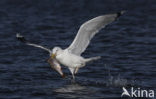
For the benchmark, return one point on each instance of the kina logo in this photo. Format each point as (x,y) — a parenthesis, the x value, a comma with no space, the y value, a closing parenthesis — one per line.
(137,92)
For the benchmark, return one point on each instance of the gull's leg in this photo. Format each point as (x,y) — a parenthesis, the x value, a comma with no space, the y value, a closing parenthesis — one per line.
(72,72)
(73,76)
(76,70)
(73,80)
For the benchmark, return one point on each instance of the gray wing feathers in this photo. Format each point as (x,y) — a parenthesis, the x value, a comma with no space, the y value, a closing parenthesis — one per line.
(88,30)
(39,46)
(22,39)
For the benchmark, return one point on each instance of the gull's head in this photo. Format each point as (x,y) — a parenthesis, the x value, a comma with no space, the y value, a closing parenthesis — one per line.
(55,52)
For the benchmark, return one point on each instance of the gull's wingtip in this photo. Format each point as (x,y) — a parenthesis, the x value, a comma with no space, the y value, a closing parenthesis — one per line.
(120,13)
(20,37)
(17,34)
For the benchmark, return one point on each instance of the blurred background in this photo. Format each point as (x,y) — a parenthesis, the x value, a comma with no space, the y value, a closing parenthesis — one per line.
(127,47)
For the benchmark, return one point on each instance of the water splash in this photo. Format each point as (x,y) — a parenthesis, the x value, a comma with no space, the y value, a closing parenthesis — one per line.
(118,81)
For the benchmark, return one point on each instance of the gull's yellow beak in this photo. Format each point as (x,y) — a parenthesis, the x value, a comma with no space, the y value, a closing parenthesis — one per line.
(53,56)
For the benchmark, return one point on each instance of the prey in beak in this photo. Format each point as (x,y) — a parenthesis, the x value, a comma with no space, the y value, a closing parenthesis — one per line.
(55,65)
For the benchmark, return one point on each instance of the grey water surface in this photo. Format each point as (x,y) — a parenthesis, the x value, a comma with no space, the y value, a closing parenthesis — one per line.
(127,47)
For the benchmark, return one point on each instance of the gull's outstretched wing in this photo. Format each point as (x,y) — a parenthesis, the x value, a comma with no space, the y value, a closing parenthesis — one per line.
(88,30)
(22,39)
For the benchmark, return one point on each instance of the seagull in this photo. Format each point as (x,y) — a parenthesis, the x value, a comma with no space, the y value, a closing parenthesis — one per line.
(71,56)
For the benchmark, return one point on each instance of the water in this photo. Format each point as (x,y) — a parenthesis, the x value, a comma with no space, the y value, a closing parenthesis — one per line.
(127,47)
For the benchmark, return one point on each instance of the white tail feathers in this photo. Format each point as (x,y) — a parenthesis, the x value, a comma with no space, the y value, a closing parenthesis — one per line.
(92,59)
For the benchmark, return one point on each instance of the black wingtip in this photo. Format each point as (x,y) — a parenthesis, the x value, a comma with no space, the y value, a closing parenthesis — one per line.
(20,38)
(120,13)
